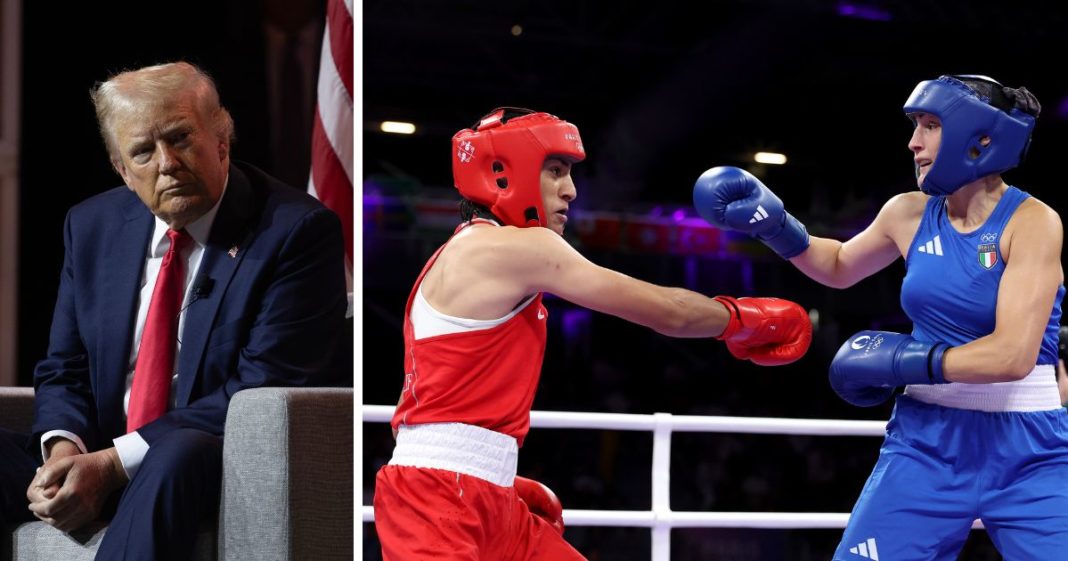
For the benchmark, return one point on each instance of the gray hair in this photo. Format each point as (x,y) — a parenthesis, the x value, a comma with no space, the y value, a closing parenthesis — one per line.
(160,82)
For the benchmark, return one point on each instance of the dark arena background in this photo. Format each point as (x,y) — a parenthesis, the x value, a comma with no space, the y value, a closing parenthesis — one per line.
(662,91)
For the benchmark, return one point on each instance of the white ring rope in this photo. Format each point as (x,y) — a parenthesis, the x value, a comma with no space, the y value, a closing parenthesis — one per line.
(661,519)
(679,423)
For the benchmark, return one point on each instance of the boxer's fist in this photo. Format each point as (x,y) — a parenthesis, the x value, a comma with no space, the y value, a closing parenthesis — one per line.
(767,331)
(541,501)
(870,364)
(731,198)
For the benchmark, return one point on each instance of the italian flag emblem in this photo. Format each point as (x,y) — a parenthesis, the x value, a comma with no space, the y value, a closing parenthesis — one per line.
(988,255)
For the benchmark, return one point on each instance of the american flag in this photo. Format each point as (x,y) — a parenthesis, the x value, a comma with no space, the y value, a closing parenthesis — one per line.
(332,151)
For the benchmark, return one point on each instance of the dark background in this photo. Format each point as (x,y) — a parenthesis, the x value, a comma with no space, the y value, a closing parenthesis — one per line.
(661,91)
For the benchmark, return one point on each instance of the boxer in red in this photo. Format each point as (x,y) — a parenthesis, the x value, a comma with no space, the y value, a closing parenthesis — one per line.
(475,332)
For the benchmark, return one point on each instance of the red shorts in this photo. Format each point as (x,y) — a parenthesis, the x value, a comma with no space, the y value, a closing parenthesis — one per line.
(433,514)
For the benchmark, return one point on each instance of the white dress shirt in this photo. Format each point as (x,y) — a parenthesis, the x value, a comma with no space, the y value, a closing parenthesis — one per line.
(131,447)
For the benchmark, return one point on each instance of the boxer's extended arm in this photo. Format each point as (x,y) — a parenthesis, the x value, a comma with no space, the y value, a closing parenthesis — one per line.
(487,272)
(1025,298)
(768,331)
(484,274)
(538,260)
(843,264)
(732,199)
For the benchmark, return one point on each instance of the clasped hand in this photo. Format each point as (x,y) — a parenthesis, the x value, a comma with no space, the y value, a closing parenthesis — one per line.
(69,491)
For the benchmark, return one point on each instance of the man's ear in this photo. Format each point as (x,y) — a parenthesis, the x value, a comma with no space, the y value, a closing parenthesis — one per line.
(224,150)
(120,168)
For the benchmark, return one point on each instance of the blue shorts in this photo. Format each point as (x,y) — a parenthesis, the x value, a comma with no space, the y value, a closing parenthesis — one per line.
(941,468)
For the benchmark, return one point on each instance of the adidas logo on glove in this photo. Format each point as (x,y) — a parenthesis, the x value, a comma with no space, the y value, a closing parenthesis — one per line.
(759,215)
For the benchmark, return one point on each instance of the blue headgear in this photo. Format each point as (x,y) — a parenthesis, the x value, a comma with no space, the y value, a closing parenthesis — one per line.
(966,118)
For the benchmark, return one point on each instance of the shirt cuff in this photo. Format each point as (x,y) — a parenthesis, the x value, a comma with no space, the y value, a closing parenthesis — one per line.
(131,449)
(60,434)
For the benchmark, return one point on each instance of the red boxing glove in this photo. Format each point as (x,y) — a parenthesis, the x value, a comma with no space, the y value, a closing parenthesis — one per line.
(767,331)
(541,501)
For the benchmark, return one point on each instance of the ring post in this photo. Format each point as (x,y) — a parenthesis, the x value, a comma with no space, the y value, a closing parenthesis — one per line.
(662,487)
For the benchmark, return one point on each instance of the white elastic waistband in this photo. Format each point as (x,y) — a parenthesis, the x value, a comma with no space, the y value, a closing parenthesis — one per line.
(1036,392)
(465,449)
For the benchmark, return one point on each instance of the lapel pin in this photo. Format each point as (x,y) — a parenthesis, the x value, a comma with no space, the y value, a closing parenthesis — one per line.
(233,252)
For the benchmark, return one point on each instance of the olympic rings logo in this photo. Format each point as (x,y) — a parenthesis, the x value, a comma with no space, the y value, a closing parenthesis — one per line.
(867,343)
(988,237)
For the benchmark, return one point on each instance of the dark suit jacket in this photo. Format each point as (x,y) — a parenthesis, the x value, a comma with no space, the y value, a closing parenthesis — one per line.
(273,317)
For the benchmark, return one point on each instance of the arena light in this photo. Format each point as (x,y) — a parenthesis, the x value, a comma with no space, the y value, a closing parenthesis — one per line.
(863,11)
(398,127)
(773,158)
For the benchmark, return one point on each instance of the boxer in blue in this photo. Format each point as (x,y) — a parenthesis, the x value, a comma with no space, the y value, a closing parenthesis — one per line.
(979,431)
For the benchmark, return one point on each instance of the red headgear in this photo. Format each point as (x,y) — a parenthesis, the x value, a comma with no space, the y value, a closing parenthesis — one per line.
(497,163)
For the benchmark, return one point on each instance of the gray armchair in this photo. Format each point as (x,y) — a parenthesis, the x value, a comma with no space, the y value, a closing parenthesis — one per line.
(286,489)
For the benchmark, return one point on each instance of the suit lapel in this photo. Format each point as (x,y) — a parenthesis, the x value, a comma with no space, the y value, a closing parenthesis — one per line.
(123,266)
(230,234)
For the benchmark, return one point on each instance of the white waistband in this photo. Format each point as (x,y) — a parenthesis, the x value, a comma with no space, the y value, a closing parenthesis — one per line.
(1036,392)
(465,449)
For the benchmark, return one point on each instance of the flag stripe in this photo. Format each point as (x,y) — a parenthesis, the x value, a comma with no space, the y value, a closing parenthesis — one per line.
(330,183)
(335,114)
(335,109)
(339,29)
(331,177)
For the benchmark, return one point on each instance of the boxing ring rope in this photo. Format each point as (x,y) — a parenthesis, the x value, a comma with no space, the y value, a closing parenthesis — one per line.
(661,519)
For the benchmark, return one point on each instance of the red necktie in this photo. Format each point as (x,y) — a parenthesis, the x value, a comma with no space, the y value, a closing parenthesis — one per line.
(151,389)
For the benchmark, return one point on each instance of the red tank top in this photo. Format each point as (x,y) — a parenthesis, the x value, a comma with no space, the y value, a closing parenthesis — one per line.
(485,377)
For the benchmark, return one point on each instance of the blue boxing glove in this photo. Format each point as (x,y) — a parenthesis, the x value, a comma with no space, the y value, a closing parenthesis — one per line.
(730,198)
(871,364)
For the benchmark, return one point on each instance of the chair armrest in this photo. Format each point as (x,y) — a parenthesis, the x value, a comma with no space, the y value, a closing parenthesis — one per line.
(288,475)
(16,408)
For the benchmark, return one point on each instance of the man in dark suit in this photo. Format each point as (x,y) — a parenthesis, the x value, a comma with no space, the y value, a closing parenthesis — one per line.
(199,278)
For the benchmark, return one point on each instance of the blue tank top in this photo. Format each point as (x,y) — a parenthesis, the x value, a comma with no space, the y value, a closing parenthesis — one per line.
(950,291)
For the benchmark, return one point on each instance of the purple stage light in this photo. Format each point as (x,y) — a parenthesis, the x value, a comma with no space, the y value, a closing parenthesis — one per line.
(1062,109)
(747,276)
(861,11)
(575,323)
(372,195)
(690,268)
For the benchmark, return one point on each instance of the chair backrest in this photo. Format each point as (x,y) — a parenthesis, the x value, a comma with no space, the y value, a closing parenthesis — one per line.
(16,408)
